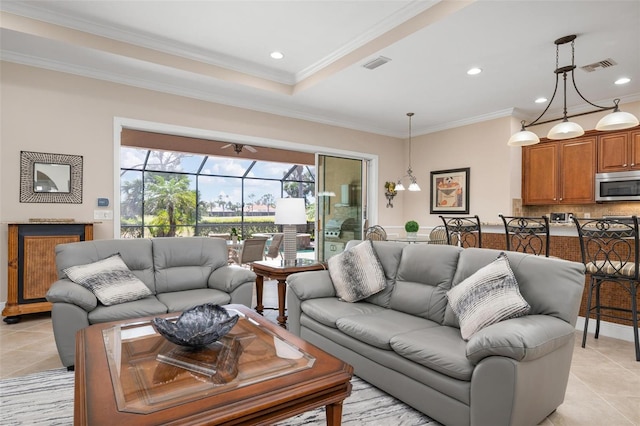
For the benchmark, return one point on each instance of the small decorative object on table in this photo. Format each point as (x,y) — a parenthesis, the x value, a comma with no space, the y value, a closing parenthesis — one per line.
(197,327)
(412,229)
(234,235)
(390,192)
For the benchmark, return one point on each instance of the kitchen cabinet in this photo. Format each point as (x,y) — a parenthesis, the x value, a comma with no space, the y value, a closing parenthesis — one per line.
(619,152)
(32,263)
(559,172)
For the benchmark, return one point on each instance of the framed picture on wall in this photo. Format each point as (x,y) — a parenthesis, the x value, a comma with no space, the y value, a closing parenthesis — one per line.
(450,191)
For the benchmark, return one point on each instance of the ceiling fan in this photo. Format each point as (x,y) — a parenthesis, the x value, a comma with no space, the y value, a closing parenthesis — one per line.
(237,147)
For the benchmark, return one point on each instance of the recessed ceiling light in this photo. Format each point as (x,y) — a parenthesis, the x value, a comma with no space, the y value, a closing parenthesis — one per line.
(277,55)
(541,100)
(474,71)
(623,80)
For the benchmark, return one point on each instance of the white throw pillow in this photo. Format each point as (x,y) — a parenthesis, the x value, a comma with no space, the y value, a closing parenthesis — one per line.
(357,273)
(488,296)
(110,280)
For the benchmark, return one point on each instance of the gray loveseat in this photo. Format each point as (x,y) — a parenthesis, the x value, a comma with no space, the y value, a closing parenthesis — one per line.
(406,339)
(180,272)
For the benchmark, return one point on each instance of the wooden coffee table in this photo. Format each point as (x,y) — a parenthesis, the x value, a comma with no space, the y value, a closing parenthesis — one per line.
(278,271)
(262,374)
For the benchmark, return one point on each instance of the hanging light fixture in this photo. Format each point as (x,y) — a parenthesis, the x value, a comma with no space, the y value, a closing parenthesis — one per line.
(413,184)
(616,120)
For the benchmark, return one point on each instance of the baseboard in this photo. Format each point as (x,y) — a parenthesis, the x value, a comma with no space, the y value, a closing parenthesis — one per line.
(608,329)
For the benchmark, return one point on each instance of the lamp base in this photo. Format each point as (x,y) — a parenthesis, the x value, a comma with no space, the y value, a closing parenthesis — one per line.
(290,245)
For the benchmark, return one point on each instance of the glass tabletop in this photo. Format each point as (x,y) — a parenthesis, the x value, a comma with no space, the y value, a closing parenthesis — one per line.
(149,373)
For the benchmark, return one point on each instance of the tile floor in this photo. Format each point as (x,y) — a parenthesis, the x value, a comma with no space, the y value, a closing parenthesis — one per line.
(604,384)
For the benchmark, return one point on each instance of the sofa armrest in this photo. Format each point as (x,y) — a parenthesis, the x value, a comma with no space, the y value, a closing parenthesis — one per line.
(523,339)
(66,291)
(311,284)
(228,278)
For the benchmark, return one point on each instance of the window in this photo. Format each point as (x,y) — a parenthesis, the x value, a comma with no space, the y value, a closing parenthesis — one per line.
(168,193)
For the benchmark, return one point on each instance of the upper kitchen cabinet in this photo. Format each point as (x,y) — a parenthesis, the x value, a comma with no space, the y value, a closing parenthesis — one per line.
(559,172)
(619,152)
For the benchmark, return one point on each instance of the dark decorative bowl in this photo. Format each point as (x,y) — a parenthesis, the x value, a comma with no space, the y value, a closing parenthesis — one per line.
(197,327)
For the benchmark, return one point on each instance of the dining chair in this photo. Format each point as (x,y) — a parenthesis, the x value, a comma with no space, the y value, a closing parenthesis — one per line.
(438,235)
(274,249)
(463,231)
(527,234)
(610,253)
(375,233)
(252,250)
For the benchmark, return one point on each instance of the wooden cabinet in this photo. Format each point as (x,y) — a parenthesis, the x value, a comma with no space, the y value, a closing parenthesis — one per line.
(619,152)
(32,263)
(559,172)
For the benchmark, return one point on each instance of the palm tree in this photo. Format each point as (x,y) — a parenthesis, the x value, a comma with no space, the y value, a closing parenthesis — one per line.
(169,198)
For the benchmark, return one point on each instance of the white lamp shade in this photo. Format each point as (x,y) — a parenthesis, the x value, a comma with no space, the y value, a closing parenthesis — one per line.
(523,138)
(414,187)
(617,121)
(565,130)
(399,186)
(290,211)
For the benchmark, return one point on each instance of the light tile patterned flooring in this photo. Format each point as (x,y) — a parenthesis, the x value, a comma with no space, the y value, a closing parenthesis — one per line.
(604,384)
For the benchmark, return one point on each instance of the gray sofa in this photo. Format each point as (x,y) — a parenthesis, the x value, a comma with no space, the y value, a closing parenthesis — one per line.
(180,272)
(406,339)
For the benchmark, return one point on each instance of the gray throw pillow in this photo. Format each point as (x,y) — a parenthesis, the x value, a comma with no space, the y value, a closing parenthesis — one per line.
(488,296)
(110,280)
(357,273)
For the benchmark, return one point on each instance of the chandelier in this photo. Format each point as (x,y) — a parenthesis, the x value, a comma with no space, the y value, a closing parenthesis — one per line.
(413,184)
(616,120)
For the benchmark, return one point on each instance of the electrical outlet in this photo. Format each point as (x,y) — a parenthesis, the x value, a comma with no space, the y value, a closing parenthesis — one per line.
(103,214)
(587,215)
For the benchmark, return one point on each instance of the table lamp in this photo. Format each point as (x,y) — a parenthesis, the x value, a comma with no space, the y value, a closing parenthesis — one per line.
(290,212)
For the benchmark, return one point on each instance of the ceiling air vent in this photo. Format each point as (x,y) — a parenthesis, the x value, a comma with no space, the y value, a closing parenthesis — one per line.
(601,64)
(375,63)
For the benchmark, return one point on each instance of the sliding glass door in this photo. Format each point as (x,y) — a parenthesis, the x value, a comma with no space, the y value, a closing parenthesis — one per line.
(340,200)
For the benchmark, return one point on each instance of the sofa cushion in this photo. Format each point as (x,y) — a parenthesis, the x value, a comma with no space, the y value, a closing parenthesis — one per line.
(186,263)
(438,348)
(128,310)
(488,296)
(378,328)
(328,310)
(179,301)
(357,273)
(110,280)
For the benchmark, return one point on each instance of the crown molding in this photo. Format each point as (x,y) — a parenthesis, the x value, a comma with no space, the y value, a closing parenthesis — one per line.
(390,22)
(160,44)
(248,102)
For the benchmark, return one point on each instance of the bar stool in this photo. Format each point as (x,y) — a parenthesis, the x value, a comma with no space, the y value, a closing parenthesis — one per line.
(527,234)
(463,231)
(610,253)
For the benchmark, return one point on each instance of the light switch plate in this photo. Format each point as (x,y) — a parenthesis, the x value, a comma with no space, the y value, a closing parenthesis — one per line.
(103,214)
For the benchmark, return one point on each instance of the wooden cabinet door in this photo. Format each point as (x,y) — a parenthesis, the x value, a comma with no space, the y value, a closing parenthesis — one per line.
(634,150)
(613,153)
(577,171)
(540,174)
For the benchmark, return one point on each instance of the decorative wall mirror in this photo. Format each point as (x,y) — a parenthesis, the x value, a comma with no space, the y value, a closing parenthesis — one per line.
(50,178)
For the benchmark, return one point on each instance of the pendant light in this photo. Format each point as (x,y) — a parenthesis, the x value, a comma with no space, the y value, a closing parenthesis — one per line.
(413,184)
(616,120)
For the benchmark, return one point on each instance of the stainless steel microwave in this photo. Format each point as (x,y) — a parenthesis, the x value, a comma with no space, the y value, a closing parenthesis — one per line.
(618,186)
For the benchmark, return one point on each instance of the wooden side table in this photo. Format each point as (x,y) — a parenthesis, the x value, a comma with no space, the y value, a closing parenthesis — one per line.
(277,271)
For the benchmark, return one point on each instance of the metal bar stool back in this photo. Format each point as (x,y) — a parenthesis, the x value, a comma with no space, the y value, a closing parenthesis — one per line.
(463,231)
(527,234)
(610,254)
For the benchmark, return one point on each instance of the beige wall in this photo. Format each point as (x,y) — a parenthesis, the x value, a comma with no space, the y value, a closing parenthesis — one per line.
(483,148)
(47,111)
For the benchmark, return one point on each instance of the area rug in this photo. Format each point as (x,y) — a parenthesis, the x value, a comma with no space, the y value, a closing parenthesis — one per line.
(47,399)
